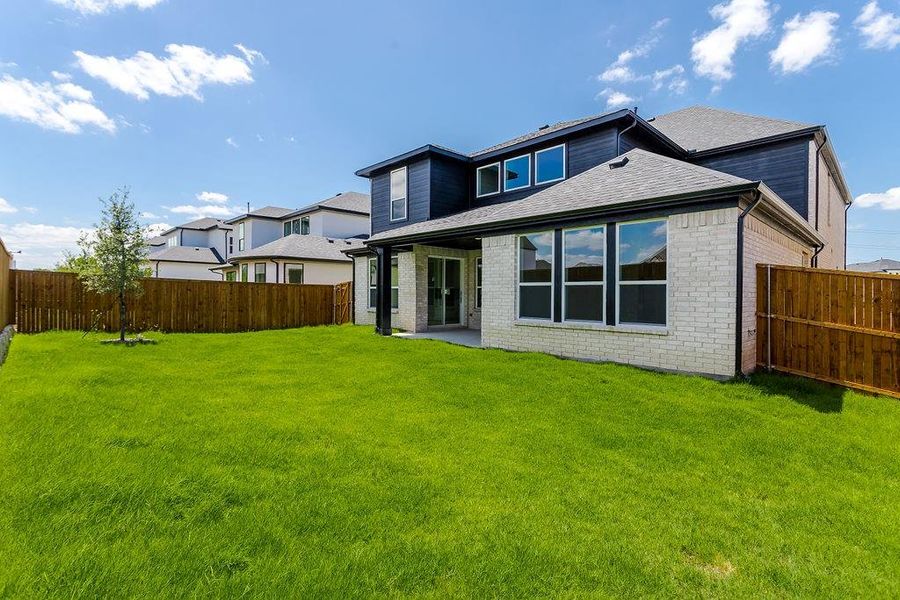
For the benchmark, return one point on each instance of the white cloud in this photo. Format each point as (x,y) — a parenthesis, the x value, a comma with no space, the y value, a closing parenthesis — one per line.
(8,65)
(214,197)
(41,245)
(806,39)
(6,207)
(889,200)
(742,20)
(155,229)
(183,72)
(193,211)
(60,107)
(59,76)
(251,55)
(616,98)
(259,138)
(148,215)
(97,7)
(671,78)
(880,29)
(230,141)
(619,71)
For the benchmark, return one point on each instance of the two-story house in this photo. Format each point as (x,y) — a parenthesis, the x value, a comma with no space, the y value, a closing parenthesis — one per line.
(604,238)
(299,246)
(189,251)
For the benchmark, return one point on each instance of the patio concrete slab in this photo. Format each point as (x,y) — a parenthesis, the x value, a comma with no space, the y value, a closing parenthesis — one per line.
(460,337)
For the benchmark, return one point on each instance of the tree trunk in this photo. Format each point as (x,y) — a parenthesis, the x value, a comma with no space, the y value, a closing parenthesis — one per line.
(121,317)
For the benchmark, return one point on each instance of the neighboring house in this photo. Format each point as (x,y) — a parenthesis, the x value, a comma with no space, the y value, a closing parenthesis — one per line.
(189,251)
(605,238)
(301,246)
(882,265)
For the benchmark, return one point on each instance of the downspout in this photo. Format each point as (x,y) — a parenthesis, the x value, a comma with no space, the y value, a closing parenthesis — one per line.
(619,133)
(739,298)
(818,152)
(846,210)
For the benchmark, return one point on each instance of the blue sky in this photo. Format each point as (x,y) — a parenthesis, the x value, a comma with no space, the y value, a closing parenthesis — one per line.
(279,102)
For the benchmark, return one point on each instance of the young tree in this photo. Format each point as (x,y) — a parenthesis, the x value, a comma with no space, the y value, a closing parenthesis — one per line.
(117,252)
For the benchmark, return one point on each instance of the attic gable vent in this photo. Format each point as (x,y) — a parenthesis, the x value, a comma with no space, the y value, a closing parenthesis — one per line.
(619,163)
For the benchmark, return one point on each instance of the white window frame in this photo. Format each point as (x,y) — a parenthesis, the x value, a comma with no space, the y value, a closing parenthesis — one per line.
(241,244)
(479,285)
(172,242)
(499,180)
(405,197)
(521,187)
(620,283)
(245,272)
(289,266)
(519,283)
(264,272)
(374,286)
(305,220)
(564,165)
(565,283)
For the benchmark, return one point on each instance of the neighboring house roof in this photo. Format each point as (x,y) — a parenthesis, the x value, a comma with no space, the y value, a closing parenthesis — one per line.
(539,132)
(699,128)
(882,265)
(187,254)
(157,241)
(305,247)
(643,178)
(353,202)
(204,224)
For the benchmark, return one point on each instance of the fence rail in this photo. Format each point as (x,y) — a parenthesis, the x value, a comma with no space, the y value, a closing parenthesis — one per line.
(43,300)
(842,327)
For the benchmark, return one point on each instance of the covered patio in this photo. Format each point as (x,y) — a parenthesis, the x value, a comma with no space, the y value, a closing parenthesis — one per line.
(460,337)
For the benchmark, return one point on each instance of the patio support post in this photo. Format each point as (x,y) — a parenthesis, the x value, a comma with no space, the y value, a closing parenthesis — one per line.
(383,290)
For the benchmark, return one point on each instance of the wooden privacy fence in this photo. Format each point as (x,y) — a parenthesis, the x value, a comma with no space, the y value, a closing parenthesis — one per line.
(45,300)
(6,316)
(842,327)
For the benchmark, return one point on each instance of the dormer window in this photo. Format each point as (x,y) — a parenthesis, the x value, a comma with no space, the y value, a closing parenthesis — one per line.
(172,241)
(398,194)
(517,173)
(488,180)
(550,165)
(297,226)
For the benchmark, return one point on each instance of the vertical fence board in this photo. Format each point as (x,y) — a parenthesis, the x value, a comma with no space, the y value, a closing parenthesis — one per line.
(837,326)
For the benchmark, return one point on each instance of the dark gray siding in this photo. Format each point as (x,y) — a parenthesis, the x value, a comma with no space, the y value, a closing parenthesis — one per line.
(784,167)
(418,197)
(635,138)
(449,187)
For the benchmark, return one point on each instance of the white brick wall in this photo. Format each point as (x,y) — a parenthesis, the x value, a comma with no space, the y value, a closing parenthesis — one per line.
(701,319)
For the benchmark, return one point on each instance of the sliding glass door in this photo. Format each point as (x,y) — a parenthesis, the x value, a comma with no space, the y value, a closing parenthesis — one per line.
(444,291)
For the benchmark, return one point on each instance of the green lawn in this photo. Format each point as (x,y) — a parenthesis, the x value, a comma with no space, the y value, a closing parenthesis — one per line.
(333,462)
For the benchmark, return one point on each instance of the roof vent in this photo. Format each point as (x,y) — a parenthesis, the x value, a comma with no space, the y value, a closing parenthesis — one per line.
(543,127)
(330,241)
(338,194)
(619,163)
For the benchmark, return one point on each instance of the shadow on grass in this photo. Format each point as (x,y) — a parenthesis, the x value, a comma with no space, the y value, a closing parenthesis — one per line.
(819,396)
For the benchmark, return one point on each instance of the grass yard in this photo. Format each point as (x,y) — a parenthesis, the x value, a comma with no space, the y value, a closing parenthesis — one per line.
(333,462)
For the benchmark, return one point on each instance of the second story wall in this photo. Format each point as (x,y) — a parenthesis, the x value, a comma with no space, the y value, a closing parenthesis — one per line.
(418,195)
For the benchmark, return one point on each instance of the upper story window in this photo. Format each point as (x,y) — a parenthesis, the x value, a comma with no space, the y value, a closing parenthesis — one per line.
(550,164)
(642,277)
(487,180)
(517,173)
(536,275)
(241,238)
(398,194)
(172,241)
(297,226)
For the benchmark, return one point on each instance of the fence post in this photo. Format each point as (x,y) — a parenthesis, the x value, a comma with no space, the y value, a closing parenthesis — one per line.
(769,318)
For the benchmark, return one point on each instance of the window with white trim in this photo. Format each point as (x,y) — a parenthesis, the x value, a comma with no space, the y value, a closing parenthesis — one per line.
(259,272)
(241,238)
(245,272)
(642,278)
(398,194)
(293,273)
(478,283)
(230,276)
(517,173)
(550,164)
(172,241)
(584,253)
(535,277)
(373,282)
(487,180)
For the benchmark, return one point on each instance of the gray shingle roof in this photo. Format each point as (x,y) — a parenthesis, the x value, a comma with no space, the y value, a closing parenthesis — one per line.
(352,201)
(188,254)
(704,128)
(202,224)
(876,266)
(645,176)
(309,247)
(157,241)
(272,212)
(546,130)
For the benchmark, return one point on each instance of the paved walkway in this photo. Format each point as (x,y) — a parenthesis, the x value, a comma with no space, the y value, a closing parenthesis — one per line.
(461,337)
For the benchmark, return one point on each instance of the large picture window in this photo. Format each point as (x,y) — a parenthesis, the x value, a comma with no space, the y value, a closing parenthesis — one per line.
(536,276)
(584,252)
(517,173)
(550,164)
(373,283)
(642,273)
(488,180)
(398,194)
